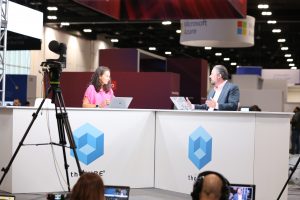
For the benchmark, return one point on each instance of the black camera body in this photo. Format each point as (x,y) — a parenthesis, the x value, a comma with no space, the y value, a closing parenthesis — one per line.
(58,196)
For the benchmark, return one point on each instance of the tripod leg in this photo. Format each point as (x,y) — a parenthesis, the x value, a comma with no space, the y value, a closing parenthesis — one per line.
(290,176)
(64,125)
(34,116)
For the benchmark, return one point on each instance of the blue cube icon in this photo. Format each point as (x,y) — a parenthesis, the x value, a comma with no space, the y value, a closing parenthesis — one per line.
(89,142)
(200,147)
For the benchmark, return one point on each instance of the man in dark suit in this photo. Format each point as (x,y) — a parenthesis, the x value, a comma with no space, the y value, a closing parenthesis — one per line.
(224,95)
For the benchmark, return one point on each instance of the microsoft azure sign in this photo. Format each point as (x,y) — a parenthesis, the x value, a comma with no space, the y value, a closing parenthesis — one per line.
(200,147)
(89,142)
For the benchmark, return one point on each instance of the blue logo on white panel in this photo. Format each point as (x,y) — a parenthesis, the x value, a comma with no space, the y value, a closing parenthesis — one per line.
(200,147)
(89,142)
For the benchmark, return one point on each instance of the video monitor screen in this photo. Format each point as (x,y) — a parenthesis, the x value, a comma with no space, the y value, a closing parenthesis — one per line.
(242,191)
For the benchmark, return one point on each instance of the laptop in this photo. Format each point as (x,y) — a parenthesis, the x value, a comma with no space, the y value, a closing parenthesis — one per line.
(120,102)
(246,191)
(7,197)
(112,192)
(180,103)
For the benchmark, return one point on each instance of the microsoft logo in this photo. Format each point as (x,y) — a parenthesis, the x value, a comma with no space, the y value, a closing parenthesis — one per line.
(241,27)
(200,147)
(89,142)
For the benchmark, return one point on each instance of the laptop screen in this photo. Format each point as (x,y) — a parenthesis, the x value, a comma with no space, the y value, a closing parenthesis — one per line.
(7,197)
(120,102)
(242,191)
(116,192)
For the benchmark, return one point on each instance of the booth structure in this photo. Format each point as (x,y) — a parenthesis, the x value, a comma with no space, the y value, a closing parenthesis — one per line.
(148,148)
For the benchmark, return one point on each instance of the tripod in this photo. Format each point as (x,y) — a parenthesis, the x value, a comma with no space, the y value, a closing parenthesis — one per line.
(63,126)
(290,176)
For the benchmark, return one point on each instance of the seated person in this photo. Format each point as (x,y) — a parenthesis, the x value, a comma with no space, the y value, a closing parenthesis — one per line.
(99,93)
(210,185)
(17,102)
(89,186)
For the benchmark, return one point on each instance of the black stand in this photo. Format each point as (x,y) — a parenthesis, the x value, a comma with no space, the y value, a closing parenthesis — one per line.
(62,124)
(290,176)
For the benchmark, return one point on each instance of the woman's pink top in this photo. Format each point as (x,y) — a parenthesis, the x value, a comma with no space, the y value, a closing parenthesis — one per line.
(97,97)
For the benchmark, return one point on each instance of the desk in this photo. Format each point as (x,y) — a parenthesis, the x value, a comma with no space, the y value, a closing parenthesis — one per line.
(149,148)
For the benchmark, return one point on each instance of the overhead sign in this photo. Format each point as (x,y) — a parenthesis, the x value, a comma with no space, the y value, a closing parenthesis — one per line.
(218,32)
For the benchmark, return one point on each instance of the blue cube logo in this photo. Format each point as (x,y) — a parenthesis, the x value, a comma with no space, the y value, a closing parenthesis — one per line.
(89,142)
(200,147)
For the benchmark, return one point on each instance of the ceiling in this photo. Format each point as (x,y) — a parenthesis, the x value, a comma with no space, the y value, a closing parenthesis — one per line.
(142,34)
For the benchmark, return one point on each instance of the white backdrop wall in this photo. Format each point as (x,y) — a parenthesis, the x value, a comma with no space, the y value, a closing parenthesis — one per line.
(82,54)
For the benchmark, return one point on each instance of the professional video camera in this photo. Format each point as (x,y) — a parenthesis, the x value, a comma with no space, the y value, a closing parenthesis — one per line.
(54,66)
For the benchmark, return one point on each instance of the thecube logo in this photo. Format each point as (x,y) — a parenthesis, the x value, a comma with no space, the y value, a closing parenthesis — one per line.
(89,142)
(241,28)
(200,147)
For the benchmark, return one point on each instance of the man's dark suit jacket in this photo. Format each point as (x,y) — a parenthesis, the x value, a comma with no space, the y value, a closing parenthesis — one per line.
(228,99)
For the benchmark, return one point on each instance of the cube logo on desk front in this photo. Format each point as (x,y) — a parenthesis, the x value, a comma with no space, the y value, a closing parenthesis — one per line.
(200,147)
(89,142)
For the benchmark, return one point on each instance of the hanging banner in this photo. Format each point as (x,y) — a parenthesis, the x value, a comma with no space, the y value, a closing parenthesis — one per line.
(218,32)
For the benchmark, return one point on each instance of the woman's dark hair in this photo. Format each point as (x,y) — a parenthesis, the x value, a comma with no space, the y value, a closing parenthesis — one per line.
(95,79)
(88,187)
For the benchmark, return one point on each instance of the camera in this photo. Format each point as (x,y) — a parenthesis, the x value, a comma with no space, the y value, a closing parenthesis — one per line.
(54,66)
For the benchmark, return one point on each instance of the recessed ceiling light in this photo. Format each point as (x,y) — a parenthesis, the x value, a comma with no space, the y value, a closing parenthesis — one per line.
(262,6)
(114,40)
(284,48)
(87,30)
(290,60)
(178,31)
(226,59)
(281,40)
(168,52)
(276,30)
(218,54)
(166,22)
(152,48)
(52,8)
(65,24)
(233,63)
(288,55)
(52,17)
(292,65)
(207,48)
(266,13)
(271,21)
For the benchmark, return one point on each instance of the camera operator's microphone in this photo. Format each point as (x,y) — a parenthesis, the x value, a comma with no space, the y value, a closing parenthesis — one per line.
(59,48)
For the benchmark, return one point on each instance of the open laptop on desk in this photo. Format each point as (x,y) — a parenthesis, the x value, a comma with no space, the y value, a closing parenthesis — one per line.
(7,197)
(180,103)
(246,191)
(112,192)
(120,102)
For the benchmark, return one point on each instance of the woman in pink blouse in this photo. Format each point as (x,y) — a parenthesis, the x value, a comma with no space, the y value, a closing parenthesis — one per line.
(99,92)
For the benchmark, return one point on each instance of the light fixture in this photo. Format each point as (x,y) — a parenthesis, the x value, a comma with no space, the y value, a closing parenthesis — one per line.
(166,23)
(152,48)
(51,17)
(290,60)
(64,24)
(207,48)
(178,31)
(281,40)
(226,59)
(52,8)
(271,21)
(262,6)
(287,55)
(233,63)
(266,13)
(218,54)
(292,65)
(284,48)
(114,40)
(87,30)
(168,52)
(276,30)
